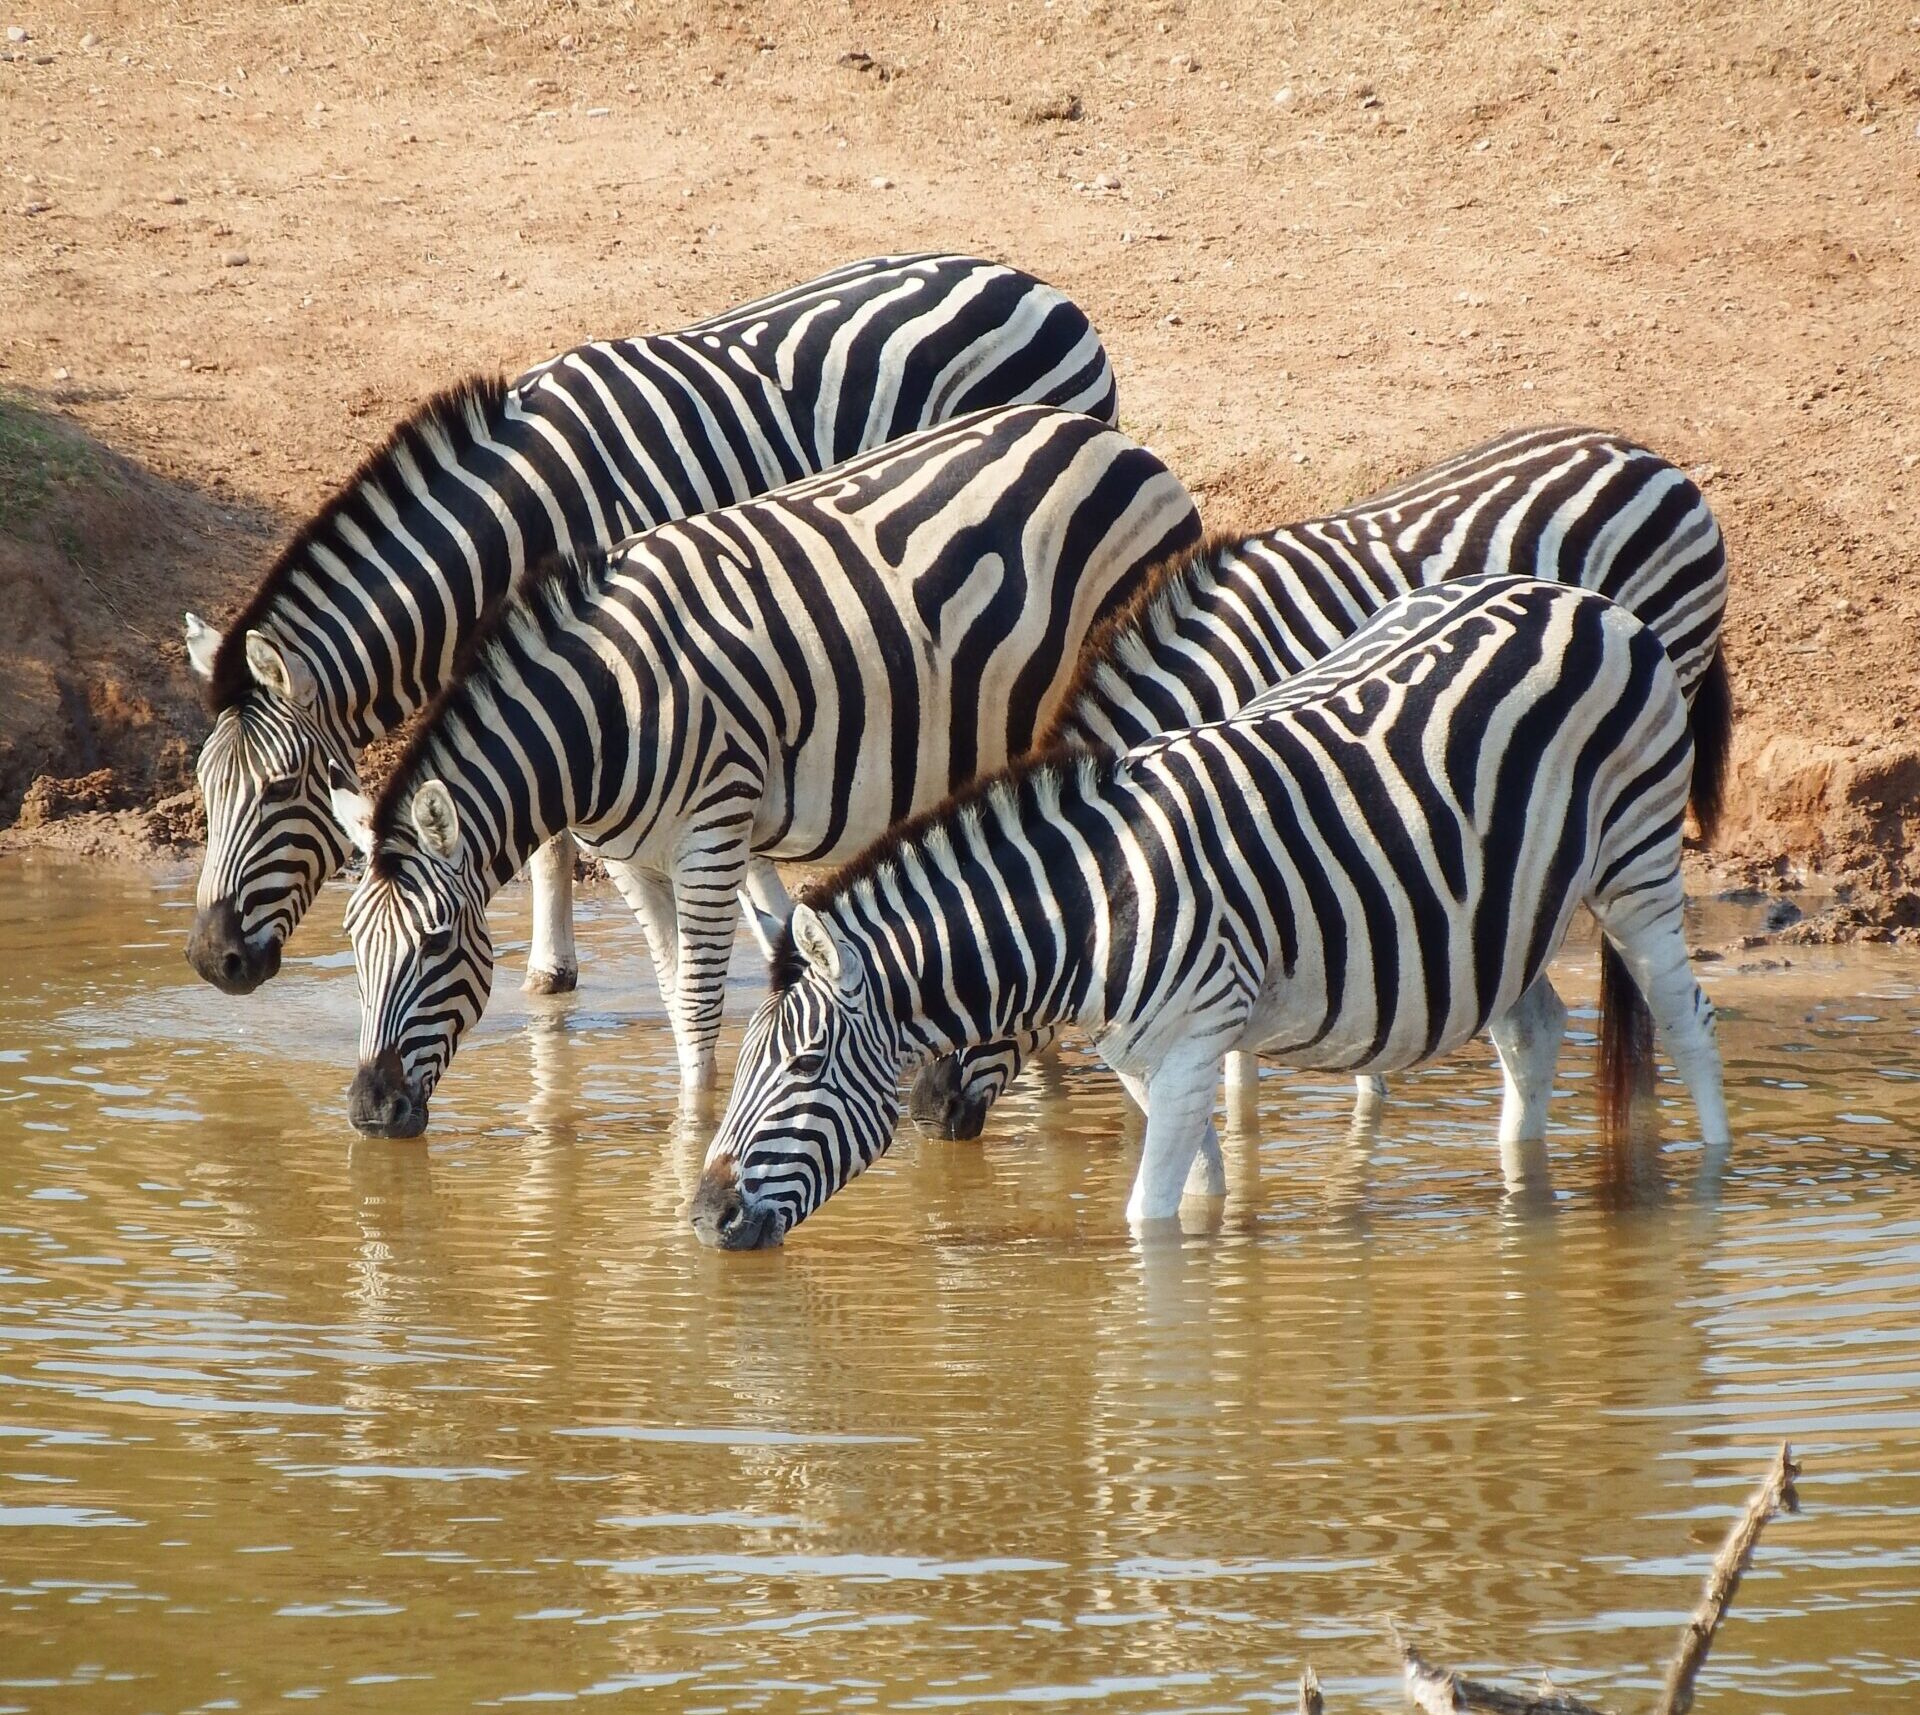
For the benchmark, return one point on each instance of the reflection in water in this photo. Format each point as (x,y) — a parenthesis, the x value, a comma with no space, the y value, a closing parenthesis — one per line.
(292,1414)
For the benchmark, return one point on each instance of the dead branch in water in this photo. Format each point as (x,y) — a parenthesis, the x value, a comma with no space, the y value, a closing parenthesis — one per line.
(1440,1691)
(1775,1494)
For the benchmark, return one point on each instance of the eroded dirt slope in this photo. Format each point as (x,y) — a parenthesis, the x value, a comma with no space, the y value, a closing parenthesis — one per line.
(1325,245)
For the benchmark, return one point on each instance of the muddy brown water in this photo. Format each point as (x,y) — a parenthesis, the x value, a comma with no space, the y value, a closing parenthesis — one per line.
(290,1417)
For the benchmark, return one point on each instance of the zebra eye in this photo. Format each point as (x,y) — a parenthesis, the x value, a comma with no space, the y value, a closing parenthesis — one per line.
(809,1064)
(280,788)
(436,941)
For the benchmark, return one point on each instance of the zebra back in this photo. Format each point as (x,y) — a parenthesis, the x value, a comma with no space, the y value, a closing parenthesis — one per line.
(1569,505)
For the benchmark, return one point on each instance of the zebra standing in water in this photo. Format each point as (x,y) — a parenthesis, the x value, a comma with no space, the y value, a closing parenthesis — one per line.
(1218,627)
(787,677)
(358,622)
(1360,870)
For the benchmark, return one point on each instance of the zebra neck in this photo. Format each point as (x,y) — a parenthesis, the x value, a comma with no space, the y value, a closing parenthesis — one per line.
(379,593)
(978,934)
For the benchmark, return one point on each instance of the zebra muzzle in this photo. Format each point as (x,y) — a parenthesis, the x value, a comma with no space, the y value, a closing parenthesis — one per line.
(722,1217)
(220,952)
(382,1101)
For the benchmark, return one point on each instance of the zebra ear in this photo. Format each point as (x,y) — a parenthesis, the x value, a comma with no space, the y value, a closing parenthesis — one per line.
(283,674)
(436,820)
(352,809)
(203,644)
(826,950)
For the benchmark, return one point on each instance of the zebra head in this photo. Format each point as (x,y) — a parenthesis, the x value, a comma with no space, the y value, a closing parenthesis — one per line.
(814,1100)
(271,840)
(418,923)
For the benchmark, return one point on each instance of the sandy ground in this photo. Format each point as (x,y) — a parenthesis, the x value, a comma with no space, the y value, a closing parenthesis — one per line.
(1325,246)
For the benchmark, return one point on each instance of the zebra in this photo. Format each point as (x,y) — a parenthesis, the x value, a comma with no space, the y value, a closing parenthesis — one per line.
(1359,870)
(357,623)
(1215,628)
(784,678)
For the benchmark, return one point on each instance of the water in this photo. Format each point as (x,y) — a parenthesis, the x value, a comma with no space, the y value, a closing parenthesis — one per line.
(287,1416)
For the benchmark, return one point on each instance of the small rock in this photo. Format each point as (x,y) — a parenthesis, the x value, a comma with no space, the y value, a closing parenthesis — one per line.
(1184,62)
(89,40)
(598,112)
(1780,913)
(173,199)
(1106,182)
(43,59)
(566,44)
(19,33)
(1299,458)
(1283,98)
(186,363)
(63,375)
(35,207)
(233,258)
(1050,107)
(881,182)
(1481,147)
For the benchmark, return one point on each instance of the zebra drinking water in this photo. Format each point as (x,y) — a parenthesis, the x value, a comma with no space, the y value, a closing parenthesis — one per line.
(786,677)
(1240,615)
(357,623)
(1359,870)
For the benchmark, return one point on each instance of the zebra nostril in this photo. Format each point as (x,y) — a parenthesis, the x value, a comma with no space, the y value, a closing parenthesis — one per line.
(233,966)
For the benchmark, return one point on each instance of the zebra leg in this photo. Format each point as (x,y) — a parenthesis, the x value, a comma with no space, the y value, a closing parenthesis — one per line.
(768,904)
(1243,1078)
(1369,1097)
(553,966)
(1179,1097)
(1655,954)
(650,898)
(1527,1038)
(708,913)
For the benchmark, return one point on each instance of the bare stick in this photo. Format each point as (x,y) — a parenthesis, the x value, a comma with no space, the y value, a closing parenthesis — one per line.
(1776,1492)
(1311,1702)
(1438,1691)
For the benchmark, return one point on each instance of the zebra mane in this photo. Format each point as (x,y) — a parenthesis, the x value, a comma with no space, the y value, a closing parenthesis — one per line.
(1118,635)
(545,597)
(1042,776)
(455,419)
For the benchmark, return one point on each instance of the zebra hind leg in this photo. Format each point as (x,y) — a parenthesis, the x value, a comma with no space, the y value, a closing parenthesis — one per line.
(1527,1038)
(553,964)
(1655,956)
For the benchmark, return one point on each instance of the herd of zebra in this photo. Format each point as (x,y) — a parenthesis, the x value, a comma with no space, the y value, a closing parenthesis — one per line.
(863,575)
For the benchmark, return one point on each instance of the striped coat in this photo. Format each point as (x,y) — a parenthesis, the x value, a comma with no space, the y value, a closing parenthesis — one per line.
(780,679)
(1358,871)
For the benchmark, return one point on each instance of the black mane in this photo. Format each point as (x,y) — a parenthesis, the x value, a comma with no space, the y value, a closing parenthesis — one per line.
(1063,760)
(1107,637)
(545,594)
(462,414)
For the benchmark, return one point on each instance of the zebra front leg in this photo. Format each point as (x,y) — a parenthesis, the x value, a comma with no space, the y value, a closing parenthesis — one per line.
(553,965)
(650,898)
(767,902)
(1178,1096)
(705,886)
(1527,1038)
(1369,1097)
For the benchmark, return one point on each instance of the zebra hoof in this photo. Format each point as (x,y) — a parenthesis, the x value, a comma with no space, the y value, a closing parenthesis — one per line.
(941,1107)
(551,982)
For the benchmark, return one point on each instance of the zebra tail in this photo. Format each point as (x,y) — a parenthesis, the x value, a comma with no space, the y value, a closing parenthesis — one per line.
(1710,722)
(1626,1047)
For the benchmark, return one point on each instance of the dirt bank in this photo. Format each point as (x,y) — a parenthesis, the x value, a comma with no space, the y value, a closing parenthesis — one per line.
(1324,247)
